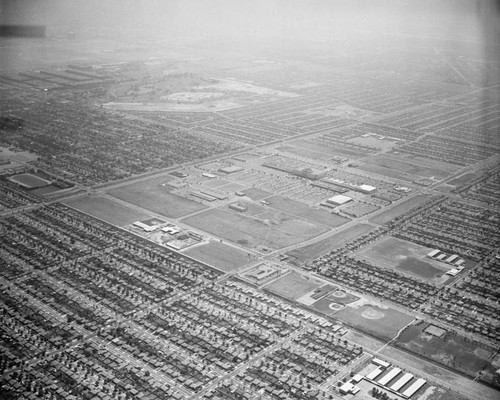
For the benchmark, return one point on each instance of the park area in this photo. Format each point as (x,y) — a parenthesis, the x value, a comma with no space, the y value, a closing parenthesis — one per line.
(381,322)
(293,286)
(107,210)
(220,255)
(154,194)
(453,351)
(403,256)
(273,229)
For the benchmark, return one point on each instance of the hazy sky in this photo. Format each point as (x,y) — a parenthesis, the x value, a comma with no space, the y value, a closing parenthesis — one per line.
(472,18)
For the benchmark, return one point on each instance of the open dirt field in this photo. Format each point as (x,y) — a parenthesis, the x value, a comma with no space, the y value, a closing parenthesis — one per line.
(319,216)
(151,195)
(107,210)
(220,255)
(399,209)
(293,286)
(280,231)
(324,246)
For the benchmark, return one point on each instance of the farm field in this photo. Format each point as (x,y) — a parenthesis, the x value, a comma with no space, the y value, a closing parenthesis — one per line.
(149,194)
(293,286)
(107,210)
(220,255)
(404,256)
(451,350)
(383,323)
(333,242)
(319,216)
(399,209)
(280,231)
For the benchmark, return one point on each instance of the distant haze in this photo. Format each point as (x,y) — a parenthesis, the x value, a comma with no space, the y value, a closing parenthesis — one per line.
(474,20)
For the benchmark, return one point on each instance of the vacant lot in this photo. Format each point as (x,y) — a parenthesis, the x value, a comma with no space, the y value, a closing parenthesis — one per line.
(383,323)
(301,210)
(324,246)
(280,231)
(107,210)
(150,194)
(399,209)
(220,255)
(391,252)
(293,286)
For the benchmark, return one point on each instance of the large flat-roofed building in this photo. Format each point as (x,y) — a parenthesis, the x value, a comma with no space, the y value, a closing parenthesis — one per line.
(339,200)
(367,189)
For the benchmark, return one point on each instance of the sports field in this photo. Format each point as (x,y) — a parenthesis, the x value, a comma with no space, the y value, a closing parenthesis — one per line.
(317,215)
(149,194)
(220,255)
(293,286)
(324,246)
(399,209)
(29,180)
(404,256)
(107,210)
(383,323)
(278,230)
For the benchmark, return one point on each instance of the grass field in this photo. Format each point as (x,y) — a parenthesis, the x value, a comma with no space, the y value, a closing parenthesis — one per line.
(256,194)
(280,231)
(149,194)
(293,286)
(383,323)
(29,180)
(463,179)
(338,150)
(324,246)
(452,351)
(408,257)
(399,209)
(220,255)
(106,209)
(301,210)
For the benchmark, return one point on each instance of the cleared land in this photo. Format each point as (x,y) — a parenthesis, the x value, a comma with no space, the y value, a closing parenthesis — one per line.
(399,209)
(280,231)
(293,286)
(301,210)
(107,210)
(383,323)
(394,253)
(324,246)
(220,255)
(151,195)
